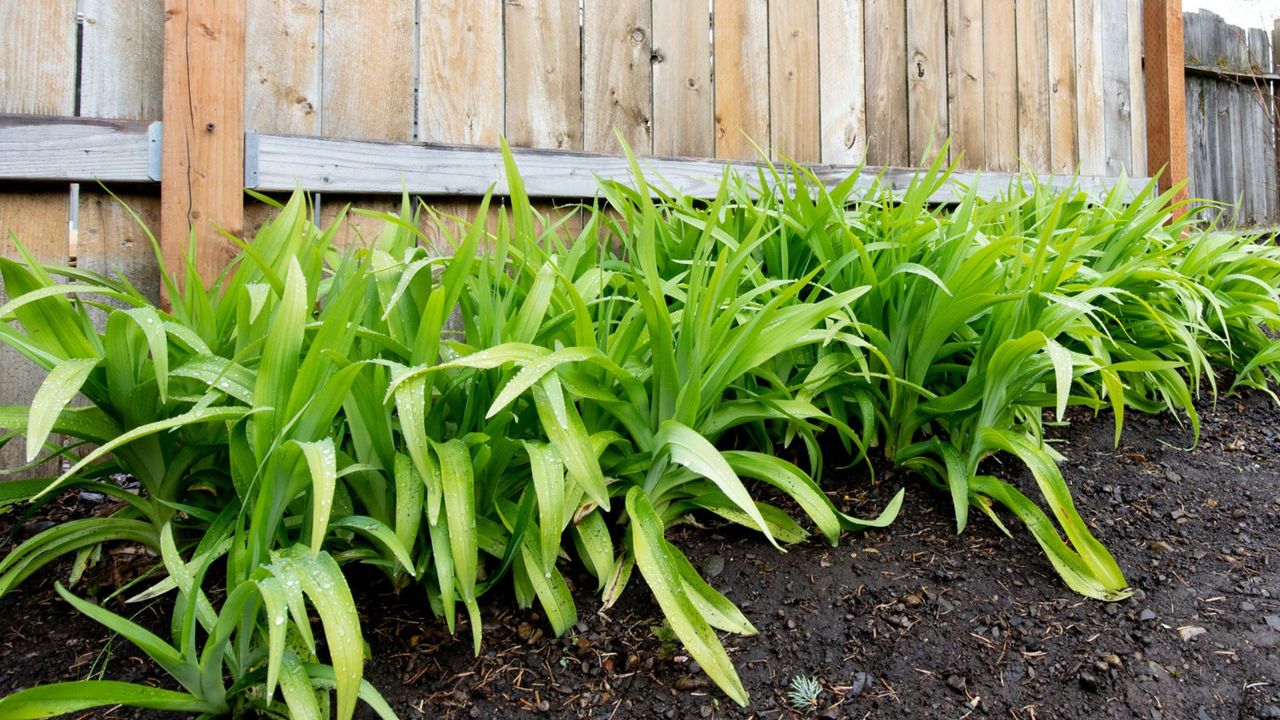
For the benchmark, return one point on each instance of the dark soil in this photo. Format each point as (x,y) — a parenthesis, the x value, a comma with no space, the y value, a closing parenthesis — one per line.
(909,622)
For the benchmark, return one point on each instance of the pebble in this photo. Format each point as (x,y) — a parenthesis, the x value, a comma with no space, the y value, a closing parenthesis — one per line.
(1088,681)
(1273,622)
(713,566)
(861,681)
(957,683)
(1147,616)
(912,601)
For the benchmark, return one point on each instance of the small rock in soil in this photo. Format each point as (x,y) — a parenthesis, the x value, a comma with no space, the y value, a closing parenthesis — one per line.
(1273,622)
(1147,616)
(957,683)
(1088,681)
(713,566)
(1190,632)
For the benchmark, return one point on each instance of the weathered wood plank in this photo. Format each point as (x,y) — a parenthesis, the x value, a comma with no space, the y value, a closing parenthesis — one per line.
(282,66)
(886,71)
(351,166)
(1064,154)
(926,79)
(1117,111)
(683,96)
(1000,57)
(367,69)
(34,147)
(109,241)
(203,159)
(793,82)
(1033,83)
(843,93)
(543,71)
(1090,137)
(120,67)
(966,83)
(742,77)
(38,57)
(1137,85)
(39,221)
(617,74)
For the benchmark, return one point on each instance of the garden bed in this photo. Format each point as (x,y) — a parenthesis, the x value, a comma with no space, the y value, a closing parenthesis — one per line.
(911,621)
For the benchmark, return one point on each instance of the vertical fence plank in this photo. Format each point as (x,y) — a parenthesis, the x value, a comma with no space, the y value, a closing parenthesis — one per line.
(793,86)
(617,74)
(120,67)
(683,97)
(1064,155)
(1033,83)
(926,78)
(544,107)
(367,70)
(202,178)
(1000,88)
(1115,84)
(282,66)
(1089,95)
(460,74)
(887,114)
(1138,85)
(966,101)
(120,60)
(742,62)
(843,93)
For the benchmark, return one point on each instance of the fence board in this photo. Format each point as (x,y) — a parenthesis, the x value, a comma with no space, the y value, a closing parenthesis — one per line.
(793,88)
(282,66)
(1137,92)
(1117,110)
(1000,86)
(367,70)
(120,62)
(1064,154)
(886,68)
(1033,82)
(460,85)
(843,94)
(543,58)
(966,82)
(617,74)
(1091,145)
(742,77)
(926,78)
(682,89)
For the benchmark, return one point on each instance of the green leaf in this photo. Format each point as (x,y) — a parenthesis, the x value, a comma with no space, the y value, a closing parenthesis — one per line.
(62,384)
(70,697)
(662,573)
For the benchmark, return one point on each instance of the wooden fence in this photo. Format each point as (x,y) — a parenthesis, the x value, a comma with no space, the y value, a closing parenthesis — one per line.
(1049,85)
(1231,117)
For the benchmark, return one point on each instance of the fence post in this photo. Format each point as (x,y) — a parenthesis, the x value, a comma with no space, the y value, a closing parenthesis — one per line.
(202,178)
(1166,91)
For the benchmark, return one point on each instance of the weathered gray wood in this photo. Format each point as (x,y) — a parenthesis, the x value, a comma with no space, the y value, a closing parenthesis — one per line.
(1117,112)
(34,147)
(282,163)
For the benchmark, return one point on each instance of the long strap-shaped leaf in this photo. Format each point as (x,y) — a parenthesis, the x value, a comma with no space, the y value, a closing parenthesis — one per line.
(70,697)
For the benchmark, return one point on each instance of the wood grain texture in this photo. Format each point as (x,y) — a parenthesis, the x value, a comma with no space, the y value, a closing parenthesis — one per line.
(282,66)
(1117,111)
(364,167)
(357,230)
(966,83)
(683,96)
(793,82)
(742,89)
(1033,83)
(1090,128)
(1165,112)
(74,149)
(926,79)
(1064,154)
(617,74)
(109,241)
(543,74)
(461,82)
(886,69)
(367,70)
(843,93)
(122,52)
(38,56)
(1137,88)
(39,220)
(1000,57)
(202,179)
